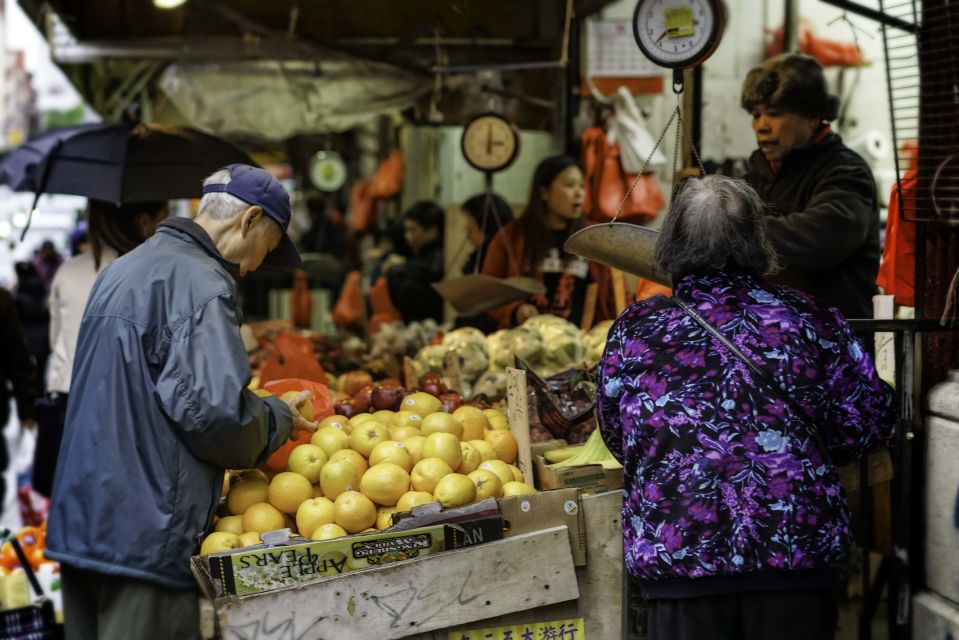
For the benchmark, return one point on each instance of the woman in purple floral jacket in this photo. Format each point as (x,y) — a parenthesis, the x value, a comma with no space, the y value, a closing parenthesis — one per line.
(734,519)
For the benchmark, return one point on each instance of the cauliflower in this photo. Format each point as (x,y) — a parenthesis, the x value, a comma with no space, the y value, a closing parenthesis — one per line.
(492,384)
(430,358)
(595,342)
(523,342)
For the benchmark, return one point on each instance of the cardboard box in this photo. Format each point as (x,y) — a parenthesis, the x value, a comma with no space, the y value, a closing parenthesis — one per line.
(475,523)
(535,511)
(255,569)
(589,478)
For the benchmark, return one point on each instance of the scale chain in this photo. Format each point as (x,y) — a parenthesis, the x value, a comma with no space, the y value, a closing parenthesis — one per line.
(642,170)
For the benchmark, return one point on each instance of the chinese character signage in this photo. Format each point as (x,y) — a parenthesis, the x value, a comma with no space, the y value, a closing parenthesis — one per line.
(553,630)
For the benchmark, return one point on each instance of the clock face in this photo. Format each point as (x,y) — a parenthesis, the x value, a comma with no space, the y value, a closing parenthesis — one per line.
(490,142)
(327,171)
(678,33)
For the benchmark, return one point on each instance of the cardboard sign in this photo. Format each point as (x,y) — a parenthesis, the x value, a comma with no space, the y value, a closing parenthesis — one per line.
(517,403)
(572,629)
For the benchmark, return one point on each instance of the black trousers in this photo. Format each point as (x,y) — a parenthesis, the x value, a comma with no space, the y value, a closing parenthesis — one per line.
(51,415)
(771,615)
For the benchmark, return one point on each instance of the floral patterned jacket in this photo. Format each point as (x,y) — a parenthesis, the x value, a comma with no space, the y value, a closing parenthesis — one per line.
(722,479)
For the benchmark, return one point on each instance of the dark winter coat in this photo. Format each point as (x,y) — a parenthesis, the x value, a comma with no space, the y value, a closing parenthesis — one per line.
(158,408)
(823,222)
(410,284)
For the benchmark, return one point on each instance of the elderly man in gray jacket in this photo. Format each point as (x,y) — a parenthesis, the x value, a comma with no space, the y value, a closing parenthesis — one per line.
(160,407)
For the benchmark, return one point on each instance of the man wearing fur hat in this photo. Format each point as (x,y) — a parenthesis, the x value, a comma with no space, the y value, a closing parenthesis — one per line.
(824,215)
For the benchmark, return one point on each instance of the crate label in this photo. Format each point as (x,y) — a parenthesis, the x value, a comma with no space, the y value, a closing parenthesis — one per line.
(572,629)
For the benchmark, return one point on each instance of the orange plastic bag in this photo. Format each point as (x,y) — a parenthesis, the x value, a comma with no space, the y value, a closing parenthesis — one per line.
(322,408)
(384,311)
(293,357)
(388,179)
(361,207)
(829,53)
(349,307)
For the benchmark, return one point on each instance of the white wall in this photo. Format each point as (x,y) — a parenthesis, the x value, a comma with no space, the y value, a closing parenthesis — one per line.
(726,131)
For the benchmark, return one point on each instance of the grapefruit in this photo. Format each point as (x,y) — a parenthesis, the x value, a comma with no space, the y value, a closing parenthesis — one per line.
(330,439)
(442,423)
(421,403)
(307,460)
(220,541)
(455,490)
(471,458)
(249,538)
(391,451)
(245,493)
(475,422)
(305,409)
(230,524)
(504,444)
(384,517)
(486,450)
(384,483)
(338,475)
(359,462)
(288,490)
(488,484)
(366,436)
(353,511)
(428,472)
(500,468)
(263,516)
(312,514)
(414,445)
(412,499)
(337,422)
(444,446)
(328,532)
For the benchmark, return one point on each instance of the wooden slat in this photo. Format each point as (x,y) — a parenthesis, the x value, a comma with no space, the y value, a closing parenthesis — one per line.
(600,602)
(414,596)
(517,409)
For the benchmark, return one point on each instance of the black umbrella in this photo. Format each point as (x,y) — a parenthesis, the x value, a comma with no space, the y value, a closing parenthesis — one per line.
(119,163)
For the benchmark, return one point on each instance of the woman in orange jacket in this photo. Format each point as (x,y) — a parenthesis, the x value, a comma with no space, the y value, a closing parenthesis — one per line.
(532,246)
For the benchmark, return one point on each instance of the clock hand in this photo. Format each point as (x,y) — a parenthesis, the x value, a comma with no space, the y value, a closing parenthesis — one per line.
(489,139)
(662,35)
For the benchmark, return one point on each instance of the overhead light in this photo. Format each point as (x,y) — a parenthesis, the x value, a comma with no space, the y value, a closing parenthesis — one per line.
(19,219)
(167,4)
(5,229)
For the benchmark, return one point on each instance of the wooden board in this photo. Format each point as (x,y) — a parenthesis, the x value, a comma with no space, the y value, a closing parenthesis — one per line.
(410,597)
(517,409)
(600,601)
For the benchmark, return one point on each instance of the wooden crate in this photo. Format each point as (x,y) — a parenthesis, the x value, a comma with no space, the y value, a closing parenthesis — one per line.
(436,592)
(600,582)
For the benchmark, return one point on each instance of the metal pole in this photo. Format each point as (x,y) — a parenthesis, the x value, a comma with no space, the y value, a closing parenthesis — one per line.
(790,26)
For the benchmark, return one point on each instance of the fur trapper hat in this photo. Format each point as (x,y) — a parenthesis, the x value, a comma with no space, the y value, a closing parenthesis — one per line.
(792,82)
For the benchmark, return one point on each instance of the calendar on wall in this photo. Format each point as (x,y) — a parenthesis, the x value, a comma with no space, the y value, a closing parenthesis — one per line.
(611,52)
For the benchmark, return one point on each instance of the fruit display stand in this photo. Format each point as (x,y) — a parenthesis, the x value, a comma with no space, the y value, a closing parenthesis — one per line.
(408,597)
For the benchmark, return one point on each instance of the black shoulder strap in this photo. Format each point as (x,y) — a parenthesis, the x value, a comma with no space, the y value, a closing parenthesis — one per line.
(760,373)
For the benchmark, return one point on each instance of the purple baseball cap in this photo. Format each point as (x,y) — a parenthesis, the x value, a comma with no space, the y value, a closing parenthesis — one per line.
(257,187)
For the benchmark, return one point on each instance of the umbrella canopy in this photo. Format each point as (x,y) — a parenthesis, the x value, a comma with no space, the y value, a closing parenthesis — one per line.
(119,163)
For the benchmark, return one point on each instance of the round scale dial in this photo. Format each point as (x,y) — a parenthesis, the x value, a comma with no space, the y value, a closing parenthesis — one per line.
(327,171)
(490,142)
(678,33)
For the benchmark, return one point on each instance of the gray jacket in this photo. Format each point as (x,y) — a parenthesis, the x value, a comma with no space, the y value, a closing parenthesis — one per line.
(157,410)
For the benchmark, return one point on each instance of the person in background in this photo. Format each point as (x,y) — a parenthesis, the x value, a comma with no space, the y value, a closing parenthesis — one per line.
(409,279)
(734,519)
(79,239)
(47,260)
(159,407)
(31,300)
(823,211)
(327,233)
(111,232)
(485,216)
(18,378)
(532,245)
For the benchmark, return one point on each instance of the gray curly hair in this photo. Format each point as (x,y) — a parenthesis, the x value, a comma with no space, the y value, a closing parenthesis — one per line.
(715,222)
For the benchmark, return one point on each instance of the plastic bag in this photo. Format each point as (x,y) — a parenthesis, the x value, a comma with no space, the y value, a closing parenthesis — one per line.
(322,408)
(628,131)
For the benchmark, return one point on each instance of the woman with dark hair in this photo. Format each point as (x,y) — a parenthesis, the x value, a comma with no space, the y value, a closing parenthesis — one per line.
(532,245)
(823,211)
(730,407)
(31,301)
(409,279)
(112,232)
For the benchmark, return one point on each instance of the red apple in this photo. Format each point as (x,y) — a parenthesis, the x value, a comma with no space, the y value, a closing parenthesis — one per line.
(353,381)
(362,398)
(347,408)
(451,400)
(387,397)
